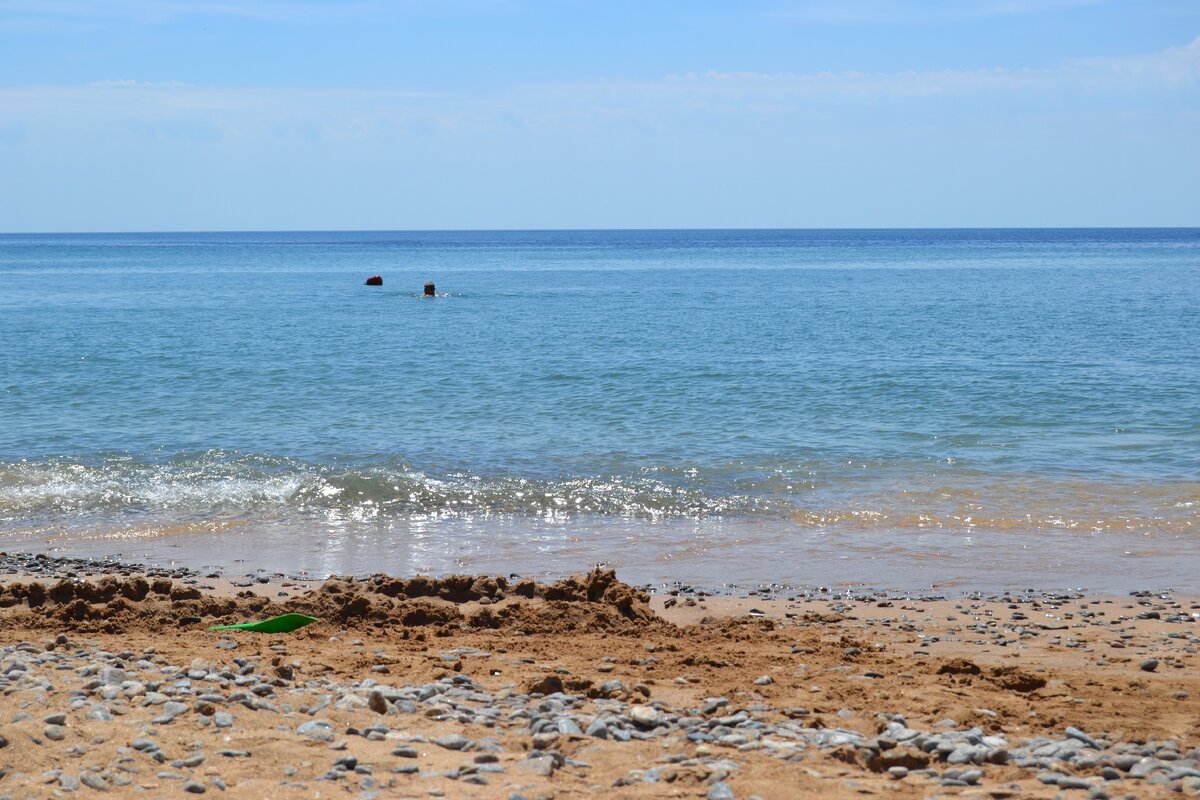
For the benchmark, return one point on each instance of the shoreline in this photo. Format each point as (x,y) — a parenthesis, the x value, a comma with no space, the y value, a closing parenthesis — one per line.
(719,555)
(586,687)
(17,565)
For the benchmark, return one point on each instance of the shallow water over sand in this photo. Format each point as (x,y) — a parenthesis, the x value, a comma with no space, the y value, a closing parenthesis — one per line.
(712,553)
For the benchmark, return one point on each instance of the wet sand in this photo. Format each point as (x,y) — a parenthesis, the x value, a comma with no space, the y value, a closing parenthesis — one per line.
(586,687)
(712,552)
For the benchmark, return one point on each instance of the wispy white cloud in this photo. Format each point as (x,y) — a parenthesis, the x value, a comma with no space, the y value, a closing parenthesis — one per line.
(173,109)
(859,12)
(1172,69)
(50,15)
(159,11)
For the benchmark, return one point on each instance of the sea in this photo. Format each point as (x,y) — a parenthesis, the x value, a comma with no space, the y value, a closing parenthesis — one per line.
(901,409)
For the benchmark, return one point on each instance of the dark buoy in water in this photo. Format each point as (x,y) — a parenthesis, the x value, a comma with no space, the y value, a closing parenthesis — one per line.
(375,280)
(430,289)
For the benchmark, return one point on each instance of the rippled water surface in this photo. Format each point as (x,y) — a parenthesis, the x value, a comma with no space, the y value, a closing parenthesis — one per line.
(974,408)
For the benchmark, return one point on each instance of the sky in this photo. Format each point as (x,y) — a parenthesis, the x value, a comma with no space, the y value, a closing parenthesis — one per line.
(180,115)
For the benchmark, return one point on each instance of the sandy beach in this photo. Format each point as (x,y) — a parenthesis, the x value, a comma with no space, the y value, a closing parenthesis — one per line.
(493,687)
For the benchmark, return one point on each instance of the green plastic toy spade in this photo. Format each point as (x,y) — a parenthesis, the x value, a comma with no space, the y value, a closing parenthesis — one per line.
(280,624)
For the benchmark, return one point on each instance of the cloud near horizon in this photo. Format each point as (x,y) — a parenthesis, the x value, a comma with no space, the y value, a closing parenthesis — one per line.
(239,110)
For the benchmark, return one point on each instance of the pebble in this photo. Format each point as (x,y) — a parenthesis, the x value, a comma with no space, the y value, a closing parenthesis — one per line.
(719,791)
(94,781)
(542,766)
(111,676)
(455,741)
(170,710)
(644,716)
(316,729)
(194,787)
(377,702)
(1149,665)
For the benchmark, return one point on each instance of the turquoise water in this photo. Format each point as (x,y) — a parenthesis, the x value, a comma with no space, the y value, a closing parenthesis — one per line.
(647,397)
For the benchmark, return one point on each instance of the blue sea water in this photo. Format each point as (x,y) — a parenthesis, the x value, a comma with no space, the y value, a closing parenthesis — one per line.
(888,406)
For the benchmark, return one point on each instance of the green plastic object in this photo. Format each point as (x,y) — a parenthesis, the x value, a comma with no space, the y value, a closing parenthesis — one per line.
(280,624)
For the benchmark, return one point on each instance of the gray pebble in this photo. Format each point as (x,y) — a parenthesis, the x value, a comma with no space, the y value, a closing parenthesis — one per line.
(970,776)
(111,676)
(316,729)
(1125,761)
(454,741)
(719,791)
(94,781)
(170,710)
(644,716)
(1144,767)
(1079,735)
(542,766)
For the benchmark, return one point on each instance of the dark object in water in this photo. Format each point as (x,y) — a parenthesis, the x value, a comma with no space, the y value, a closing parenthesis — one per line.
(430,289)
(375,280)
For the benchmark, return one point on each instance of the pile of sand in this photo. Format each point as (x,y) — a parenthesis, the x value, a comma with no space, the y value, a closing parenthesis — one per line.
(596,601)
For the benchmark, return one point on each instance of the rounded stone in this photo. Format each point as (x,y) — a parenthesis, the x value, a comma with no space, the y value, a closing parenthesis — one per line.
(644,716)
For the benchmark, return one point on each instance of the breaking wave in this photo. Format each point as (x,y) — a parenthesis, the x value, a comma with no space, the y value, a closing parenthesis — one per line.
(217,485)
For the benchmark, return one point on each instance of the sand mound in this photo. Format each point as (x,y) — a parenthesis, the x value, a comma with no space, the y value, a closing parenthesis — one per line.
(1010,678)
(597,601)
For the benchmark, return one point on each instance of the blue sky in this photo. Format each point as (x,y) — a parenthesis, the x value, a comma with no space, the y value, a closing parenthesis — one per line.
(433,114)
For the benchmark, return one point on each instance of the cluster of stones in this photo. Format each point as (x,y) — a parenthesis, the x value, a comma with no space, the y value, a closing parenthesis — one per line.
(45,567)
(142,687)
(1075,760)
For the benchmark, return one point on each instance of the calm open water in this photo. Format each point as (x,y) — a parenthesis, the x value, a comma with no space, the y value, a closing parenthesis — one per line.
(900,408)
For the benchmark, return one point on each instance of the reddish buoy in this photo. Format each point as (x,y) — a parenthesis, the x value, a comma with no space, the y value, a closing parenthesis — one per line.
(375,280)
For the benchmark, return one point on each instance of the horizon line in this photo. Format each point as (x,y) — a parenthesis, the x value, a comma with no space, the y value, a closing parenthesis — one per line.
(605,230)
